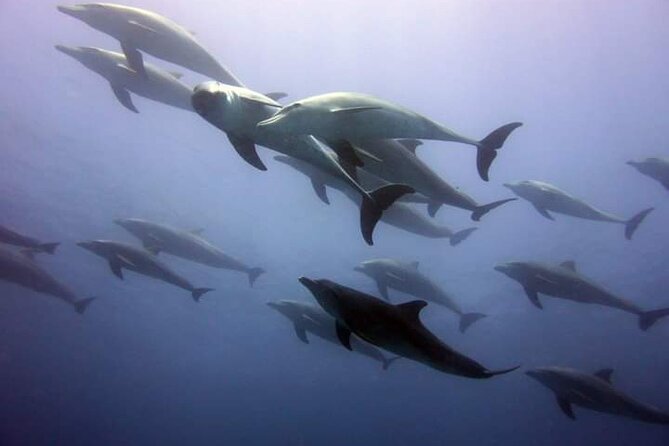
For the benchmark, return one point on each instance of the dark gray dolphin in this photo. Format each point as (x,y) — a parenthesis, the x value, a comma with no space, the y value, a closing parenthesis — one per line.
(594,392)
(405,277)
(33,245)
(188,245)
(546,197)
(565,282)
(121,255)
(310,318)
(396,328)
(655,168)
(22,270)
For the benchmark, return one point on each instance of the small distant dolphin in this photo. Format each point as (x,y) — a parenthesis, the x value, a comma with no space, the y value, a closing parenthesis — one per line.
(312,319)
(405,277)
(141,30)
(565,282)
(357,117)
(158,84)
(396,328)
(21,270)
(594,392)
(185,244)
(121,255)
(656,168)
(546,197)
(33,245)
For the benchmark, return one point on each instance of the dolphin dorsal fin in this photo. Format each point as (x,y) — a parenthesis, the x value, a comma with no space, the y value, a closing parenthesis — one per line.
(348,110)
(604,374)
(415,264)
(569,264)
(410,144)
(412,309)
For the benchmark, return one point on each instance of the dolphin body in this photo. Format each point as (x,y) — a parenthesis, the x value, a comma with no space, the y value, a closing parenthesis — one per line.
(157,85)
(594,392)
(565,282)
(309,318)
(358,117)
(141,30)
(188,245)
(546,197)
(405,277)
(400,215)
(23,271)
(237,110)
(655,168)
(396,328)
(33,245)
(121,255)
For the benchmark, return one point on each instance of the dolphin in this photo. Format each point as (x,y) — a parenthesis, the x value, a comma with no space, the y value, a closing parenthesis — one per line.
(396,328)
(237,110)
(23,271)
(400,215)
(32,245)
(656,168)
(565,282)
(546,197)
(188,245)
(358,117)
(310,318)
(594,392)
(158,84)
(405,277)
(121,255)
(141,30)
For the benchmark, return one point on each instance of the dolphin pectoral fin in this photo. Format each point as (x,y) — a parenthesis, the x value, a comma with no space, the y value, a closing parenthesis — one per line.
(383,289)
(153,249)
(486,149)
(467,319)
(534,297)
(566,408)
(412,309)
(246,148)
(345,151)
(543,212)
(301,333)
(351,110)
(604,374)
(344,335)
(276,95)
(320,189)
(124,98)
(81,305)
(458,237)
(116,268)
(135,59)
(633,223)
(410,144)
(433,207)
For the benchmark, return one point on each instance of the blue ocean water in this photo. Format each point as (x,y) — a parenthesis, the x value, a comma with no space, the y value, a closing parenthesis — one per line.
(147,365)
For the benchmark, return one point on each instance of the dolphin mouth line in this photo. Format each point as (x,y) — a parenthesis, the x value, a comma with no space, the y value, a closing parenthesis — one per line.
(268,122)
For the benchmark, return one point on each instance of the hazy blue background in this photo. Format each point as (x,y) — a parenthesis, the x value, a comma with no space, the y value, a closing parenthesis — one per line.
(146,365)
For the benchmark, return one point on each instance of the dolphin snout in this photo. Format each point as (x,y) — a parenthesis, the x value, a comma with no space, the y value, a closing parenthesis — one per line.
(66,49)
(69,10)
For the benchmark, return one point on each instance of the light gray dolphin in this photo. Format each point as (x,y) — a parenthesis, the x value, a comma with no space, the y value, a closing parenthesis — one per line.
(121,255)
(188,245)
(31,244)
(594,392)
(356,117)
(237,110)
(310,318)
(546,197)
(565,282)
(23,271)
(157,85)
(141,30)
(396,328)
(405,277)
(655,168)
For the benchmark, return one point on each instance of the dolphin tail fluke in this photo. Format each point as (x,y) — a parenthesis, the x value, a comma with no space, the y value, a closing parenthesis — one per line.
(633,223)
(254,273)
(480,211)
(49,248)
(388,361)
(458,237)
(486,149)
(378,201)
(648,318)
(467,319)
(80,306)
(491,373)
(198,292)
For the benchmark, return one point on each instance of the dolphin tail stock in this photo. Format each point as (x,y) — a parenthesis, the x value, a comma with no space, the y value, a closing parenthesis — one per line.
(49,248)
(377,201)
(648,318)
(254,273)
(491,373)
(633,223)
(467,319)
(388,361)
(458,237)
(480,211)
(198,292)
(486,149)
(81,305)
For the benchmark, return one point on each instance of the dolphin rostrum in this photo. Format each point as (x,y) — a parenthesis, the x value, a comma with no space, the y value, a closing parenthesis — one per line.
(396,328)
(565,282)
(32,245)
(655,168)
(594,392)
(121,255)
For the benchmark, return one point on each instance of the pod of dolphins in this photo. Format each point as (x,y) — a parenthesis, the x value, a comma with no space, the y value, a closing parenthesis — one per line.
(364,147)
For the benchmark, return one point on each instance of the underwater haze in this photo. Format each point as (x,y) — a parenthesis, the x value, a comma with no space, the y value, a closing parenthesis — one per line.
(147,365)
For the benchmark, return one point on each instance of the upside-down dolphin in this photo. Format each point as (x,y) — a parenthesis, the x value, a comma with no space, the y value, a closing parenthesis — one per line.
(189,245)
(656,168)
(121,255)
(236,111)
(357,117)
(405,277)
(141,30)
(33,245)
(22,270)
(310,318)
(157,85)
(594,392)
(546,197)
(565,282)
(396,328)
